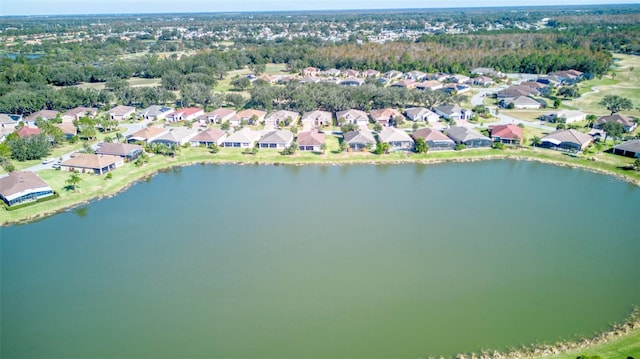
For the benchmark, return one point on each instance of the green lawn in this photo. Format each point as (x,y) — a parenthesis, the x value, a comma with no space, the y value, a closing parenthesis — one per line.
(622,348)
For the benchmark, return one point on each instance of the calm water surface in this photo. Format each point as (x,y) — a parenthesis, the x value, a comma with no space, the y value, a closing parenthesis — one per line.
(397,261)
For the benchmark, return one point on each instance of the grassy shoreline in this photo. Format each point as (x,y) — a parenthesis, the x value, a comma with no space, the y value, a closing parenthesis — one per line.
(94,187)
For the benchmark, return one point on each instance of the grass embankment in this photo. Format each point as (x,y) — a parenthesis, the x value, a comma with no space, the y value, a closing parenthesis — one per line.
(93,186)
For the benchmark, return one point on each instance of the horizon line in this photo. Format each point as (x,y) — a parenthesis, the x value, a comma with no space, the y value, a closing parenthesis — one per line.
(318,10)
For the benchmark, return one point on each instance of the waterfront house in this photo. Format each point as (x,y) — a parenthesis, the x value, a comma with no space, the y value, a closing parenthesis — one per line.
(508,134)
(219,115)
(128,151)
(279,139)
(397,139)
(245,138)
(359,140)
(91,163)
(23,186)
(421,114)
(147,134)
(628,149)
(208,137)
(316,118)
(78,112)
(628,123)
(155,112)
(281,118)
(569,140)
(356,117)
(386,116)
(468,137)
(185,114)
(311,140)
(120,113)
(436,140)
(453,112)
(176,136)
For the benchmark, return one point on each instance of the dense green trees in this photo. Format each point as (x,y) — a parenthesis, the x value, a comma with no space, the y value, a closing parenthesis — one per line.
(28,148)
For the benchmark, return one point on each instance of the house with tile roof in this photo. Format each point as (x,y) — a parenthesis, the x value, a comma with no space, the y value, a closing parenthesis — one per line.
(92,163)
(468,137)
(279,139)
(147,134)
(219,115)
(436,140)
(316,118)
(121,113)
(352,116)
(360,140)
(311,140)
(28,131)
(185,114)
(281,118)
(251,116)
(42,114)
(176,136)
(397,139)
(567,140)
(128,151)
(208,137)
(22,187)
(386,116)
(245,138)
(508,134)
(78,112)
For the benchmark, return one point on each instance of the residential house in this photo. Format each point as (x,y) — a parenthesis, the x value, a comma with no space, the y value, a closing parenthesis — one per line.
(279,139)
(120,113)
(568,77)
(311,140)
(415,75)
(176,136)
(397,139)
(508,134)
(628,149)
(482,81)
(208,137)
(147,134)
(281,118)
(68,129)
(155,112)
(78,112)
(521,103)
(251,116)
(351,73)
(386,116)
(28,131)
(392,75)
(406,83)
(454,88)
(9,121)
(421,114)
(245,138)
(219,115)
(88,162)
(487,71)
(453,112)
(430,85)
(127,151)
(538,86)
(316,118)
(310,80)
(331,73)
(359,140)
(23,186)
(371,73)
(515,91)
(569,140)
(356,117)
(436,140)
(310,72)
(468,137)
(185,114)
(564,116)
(351,81)
(628,123)
(440,76)
(42,114)
(459,79)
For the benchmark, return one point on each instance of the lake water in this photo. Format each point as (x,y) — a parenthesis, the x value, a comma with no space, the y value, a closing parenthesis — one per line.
(400,261)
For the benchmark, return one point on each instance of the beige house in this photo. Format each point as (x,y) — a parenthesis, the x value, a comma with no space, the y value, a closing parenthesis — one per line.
(90,163)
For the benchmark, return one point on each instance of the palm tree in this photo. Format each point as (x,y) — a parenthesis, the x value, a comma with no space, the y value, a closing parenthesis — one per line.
(73,181)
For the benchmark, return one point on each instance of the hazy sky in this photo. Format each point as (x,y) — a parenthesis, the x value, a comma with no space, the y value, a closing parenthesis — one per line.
(51,7)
